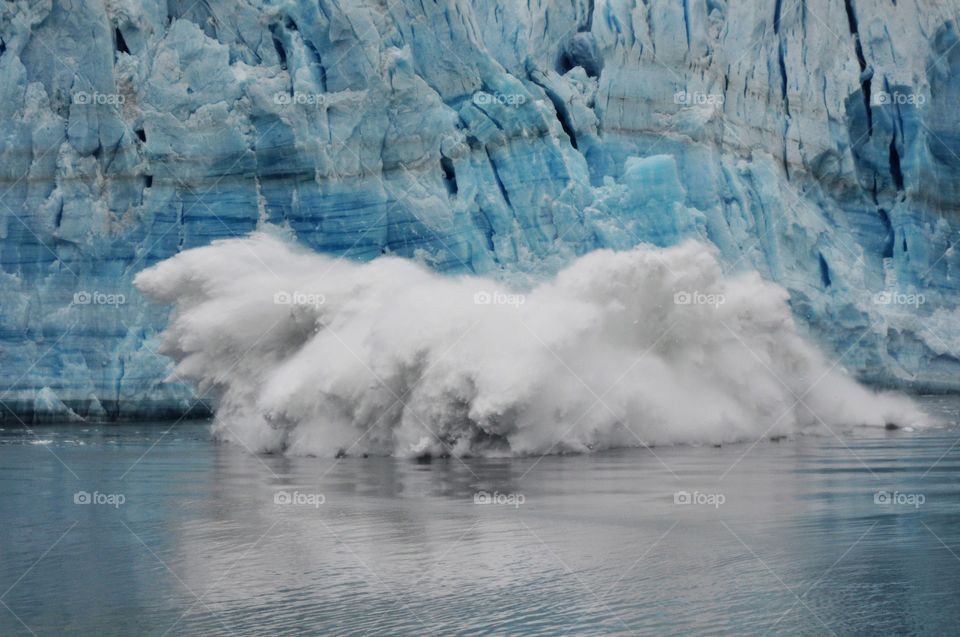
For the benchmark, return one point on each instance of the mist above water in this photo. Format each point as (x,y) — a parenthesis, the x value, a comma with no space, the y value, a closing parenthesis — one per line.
(309,354)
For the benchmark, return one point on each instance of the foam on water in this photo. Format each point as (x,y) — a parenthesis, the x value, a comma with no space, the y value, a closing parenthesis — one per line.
(309,354)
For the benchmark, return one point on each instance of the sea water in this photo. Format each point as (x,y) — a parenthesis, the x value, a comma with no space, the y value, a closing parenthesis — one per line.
(153,529)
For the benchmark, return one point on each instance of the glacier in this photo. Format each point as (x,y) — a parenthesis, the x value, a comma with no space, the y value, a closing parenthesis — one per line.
(815,142)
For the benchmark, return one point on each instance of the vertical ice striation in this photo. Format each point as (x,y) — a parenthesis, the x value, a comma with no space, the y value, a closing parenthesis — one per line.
(817,142)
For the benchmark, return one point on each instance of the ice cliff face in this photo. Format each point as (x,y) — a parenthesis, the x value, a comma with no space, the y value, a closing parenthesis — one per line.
(817,142)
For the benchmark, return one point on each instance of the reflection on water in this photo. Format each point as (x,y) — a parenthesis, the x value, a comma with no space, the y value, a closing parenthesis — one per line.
(819,535)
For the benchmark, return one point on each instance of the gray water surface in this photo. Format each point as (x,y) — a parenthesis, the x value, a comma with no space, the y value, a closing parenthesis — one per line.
(185,536)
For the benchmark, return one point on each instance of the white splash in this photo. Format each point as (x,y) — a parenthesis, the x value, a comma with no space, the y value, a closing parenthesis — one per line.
(309,354)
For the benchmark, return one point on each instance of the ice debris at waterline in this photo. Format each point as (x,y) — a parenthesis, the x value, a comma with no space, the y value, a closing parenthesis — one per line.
(309,354)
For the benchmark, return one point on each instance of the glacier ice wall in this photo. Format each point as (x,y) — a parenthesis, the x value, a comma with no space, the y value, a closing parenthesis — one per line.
(815,142)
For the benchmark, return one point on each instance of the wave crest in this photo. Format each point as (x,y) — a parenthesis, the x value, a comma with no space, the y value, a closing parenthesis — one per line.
(314,355)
